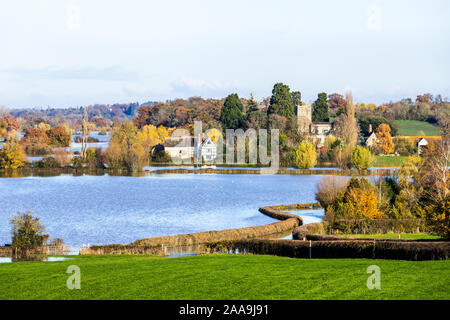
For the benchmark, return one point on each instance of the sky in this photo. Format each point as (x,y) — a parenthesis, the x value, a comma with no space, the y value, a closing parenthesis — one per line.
(59,53)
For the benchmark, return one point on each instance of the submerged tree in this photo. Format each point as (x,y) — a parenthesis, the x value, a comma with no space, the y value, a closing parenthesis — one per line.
(11,155)
(306,156)
(362,158)
(28,234)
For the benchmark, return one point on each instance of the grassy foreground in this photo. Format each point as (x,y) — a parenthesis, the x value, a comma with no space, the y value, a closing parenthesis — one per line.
(224,277)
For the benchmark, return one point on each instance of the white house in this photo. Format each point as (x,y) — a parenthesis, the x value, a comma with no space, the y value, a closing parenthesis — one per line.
(422,143)
(201,148)
(179,147)
(371,140)
(206,150)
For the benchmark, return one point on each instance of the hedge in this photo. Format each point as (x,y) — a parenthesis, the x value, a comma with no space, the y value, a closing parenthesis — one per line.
(338,249)
(365,226)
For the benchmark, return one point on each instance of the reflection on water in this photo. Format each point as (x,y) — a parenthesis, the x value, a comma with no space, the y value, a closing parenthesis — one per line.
(32,258)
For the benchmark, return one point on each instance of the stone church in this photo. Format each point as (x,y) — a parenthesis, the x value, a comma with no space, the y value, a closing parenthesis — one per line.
(318,130)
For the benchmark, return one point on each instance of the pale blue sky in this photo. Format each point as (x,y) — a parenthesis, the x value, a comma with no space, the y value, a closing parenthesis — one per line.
(69,53)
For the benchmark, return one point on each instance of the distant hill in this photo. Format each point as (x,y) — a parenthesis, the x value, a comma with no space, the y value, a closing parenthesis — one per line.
(416,128)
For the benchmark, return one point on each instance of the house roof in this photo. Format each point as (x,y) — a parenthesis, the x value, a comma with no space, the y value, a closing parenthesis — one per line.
(185,142)
(179,142)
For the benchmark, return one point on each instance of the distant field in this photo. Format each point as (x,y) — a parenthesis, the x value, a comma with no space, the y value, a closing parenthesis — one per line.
(389,161)
(414,128)
(224,277)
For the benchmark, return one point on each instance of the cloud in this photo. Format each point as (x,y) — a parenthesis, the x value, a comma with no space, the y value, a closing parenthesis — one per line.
(192,86)
(113,73)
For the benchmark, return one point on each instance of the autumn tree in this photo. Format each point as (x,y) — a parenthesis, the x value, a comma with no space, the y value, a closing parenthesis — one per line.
(59,137)
(359,201)
(9,123)
(149,136)
(320,109)
(125,150)
(11,154)
(384,138)
(231,115)
(35,142)
(362,158)
(362,203)
(99,122)
(305,155)
(281,101)
(336,104)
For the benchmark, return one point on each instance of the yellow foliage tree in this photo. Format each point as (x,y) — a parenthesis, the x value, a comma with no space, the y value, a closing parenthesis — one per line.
(149,136)
(363,203)
(384,138)
(305,155)
(43,126)
(11,155)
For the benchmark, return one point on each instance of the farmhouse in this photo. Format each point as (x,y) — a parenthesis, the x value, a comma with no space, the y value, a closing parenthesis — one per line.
(317,130)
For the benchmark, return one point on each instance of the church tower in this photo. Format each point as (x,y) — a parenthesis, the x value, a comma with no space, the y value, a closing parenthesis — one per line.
(304,118)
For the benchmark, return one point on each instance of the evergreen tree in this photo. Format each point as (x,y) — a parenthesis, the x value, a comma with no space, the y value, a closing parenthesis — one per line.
(231,115)
(320,109)
(281,101)
(252,105)
(296,98)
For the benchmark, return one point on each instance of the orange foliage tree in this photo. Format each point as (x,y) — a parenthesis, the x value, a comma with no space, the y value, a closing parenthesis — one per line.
(9,124)
(59,137)
(35,141)
(384,138)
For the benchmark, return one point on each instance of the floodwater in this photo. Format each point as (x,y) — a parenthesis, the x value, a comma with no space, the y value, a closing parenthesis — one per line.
(120,209)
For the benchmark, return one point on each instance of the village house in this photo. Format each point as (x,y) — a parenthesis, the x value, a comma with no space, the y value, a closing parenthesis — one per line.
(318,130)
(201,148)
(372,140)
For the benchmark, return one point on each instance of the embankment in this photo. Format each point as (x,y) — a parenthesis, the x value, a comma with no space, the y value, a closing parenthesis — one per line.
(288,222)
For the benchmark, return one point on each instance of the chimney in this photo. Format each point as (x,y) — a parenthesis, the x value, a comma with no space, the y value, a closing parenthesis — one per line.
(370,128)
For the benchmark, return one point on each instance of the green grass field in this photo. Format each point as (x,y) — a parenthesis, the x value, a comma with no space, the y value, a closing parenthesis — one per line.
(381,161)
(395,236)
(224,277)
(413,128)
